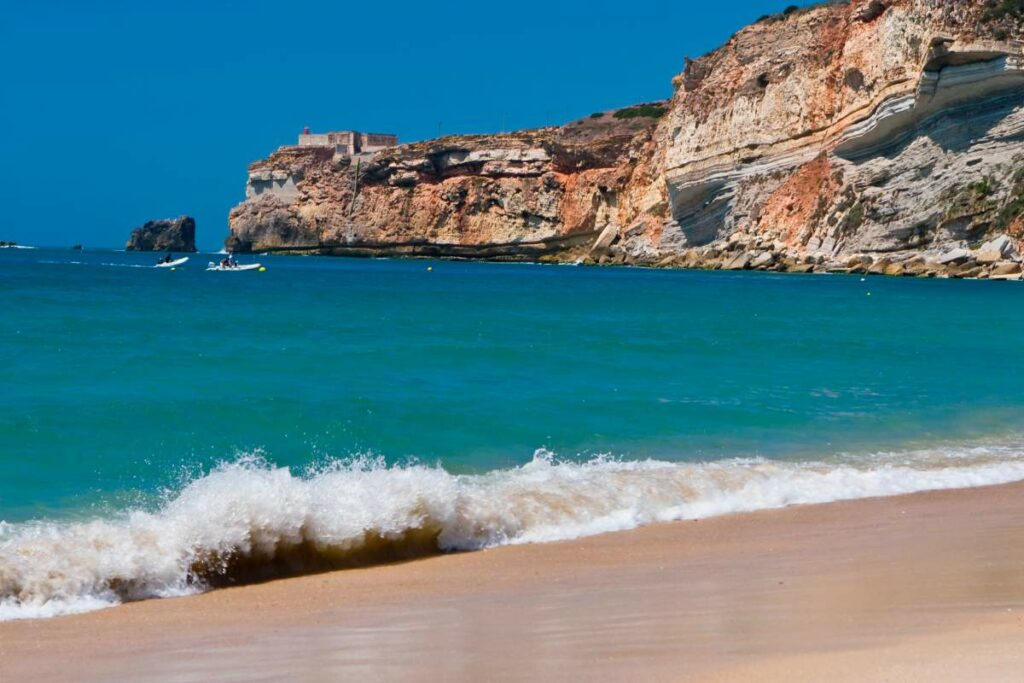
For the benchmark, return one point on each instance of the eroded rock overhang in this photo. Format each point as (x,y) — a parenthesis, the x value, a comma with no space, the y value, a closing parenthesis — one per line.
(953,75)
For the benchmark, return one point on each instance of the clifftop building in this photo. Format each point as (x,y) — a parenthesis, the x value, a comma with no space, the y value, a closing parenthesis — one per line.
(280,183)
(348,142)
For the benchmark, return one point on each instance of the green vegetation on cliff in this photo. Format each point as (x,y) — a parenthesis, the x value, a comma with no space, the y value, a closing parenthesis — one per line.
(1014,207)
(1000,9)
(643,110)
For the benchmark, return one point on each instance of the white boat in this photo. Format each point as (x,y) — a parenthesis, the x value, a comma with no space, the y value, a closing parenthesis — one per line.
(231,269)
(172,264)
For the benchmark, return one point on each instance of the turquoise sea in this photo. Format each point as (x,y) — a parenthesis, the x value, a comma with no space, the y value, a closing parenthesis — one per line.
(159,429)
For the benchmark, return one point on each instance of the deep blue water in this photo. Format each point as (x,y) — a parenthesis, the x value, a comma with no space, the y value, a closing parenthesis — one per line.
(116,381)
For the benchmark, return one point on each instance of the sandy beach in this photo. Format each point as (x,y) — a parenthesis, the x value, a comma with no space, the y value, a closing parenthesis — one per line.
(921,587)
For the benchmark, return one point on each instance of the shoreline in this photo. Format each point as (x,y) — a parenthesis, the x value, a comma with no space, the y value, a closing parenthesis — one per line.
(909,587)
(923,269)
(916,264)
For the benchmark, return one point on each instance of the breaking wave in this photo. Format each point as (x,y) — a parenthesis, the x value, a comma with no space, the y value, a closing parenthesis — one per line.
(250,520)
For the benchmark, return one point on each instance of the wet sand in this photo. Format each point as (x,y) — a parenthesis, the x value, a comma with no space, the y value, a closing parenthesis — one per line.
(922,587)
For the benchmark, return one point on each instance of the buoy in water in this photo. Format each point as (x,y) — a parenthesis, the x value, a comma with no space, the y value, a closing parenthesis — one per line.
(263,269)
(430,269)
(173,269)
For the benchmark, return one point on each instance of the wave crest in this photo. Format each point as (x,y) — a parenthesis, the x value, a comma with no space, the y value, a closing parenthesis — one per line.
(250,520)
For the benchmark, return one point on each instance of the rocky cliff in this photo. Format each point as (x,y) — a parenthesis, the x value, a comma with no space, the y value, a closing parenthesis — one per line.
(172,234)
(870,136)
(519,195)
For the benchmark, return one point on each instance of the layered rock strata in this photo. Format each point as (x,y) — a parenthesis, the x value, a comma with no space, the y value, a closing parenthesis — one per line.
(523,195)
(877,136)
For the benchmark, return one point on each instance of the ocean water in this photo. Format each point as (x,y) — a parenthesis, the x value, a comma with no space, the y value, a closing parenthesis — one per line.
(165,432)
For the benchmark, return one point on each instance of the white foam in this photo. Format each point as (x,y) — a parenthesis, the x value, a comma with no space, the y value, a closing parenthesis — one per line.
(11,610)
(251,510)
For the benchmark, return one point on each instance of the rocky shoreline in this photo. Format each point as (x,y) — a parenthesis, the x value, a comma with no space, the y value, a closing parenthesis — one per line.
(872,137)
(995,260)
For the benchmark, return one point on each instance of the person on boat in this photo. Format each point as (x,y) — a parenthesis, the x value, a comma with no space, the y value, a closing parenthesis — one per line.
(232,263)
(167,259)
(225,262)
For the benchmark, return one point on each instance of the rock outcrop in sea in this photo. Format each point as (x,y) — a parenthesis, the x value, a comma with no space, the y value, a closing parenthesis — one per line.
(876,136)
(171,234)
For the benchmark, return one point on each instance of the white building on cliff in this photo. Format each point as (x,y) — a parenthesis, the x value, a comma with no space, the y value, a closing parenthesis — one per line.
(348,142)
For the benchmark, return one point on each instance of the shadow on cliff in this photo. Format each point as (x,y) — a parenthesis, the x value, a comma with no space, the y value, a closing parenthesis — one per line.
(954,130)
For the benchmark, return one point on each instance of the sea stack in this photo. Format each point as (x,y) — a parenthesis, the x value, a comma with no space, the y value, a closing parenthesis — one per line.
(170,234)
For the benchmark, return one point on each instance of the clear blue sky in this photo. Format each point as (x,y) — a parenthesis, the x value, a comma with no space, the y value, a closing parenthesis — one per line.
(112,113)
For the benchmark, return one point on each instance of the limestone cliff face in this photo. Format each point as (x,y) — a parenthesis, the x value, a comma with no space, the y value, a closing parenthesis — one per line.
(172,234)
(876,135)
(521,195)
(848,133)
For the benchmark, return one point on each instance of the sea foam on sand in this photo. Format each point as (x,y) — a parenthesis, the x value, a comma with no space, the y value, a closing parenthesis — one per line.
(250,520)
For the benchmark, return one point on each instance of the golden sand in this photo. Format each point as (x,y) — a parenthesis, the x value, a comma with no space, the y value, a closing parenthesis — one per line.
(923,587)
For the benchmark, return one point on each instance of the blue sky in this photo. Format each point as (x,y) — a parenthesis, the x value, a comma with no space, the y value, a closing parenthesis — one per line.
(113,113)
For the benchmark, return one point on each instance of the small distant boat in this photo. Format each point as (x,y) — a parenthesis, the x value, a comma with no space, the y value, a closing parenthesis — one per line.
(172,264)
(231,269)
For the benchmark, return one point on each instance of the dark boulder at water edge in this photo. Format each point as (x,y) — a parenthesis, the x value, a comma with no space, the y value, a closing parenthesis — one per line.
(172,234)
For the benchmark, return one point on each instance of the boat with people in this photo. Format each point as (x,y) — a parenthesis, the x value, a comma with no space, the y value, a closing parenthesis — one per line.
(171,262)
(229,264)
